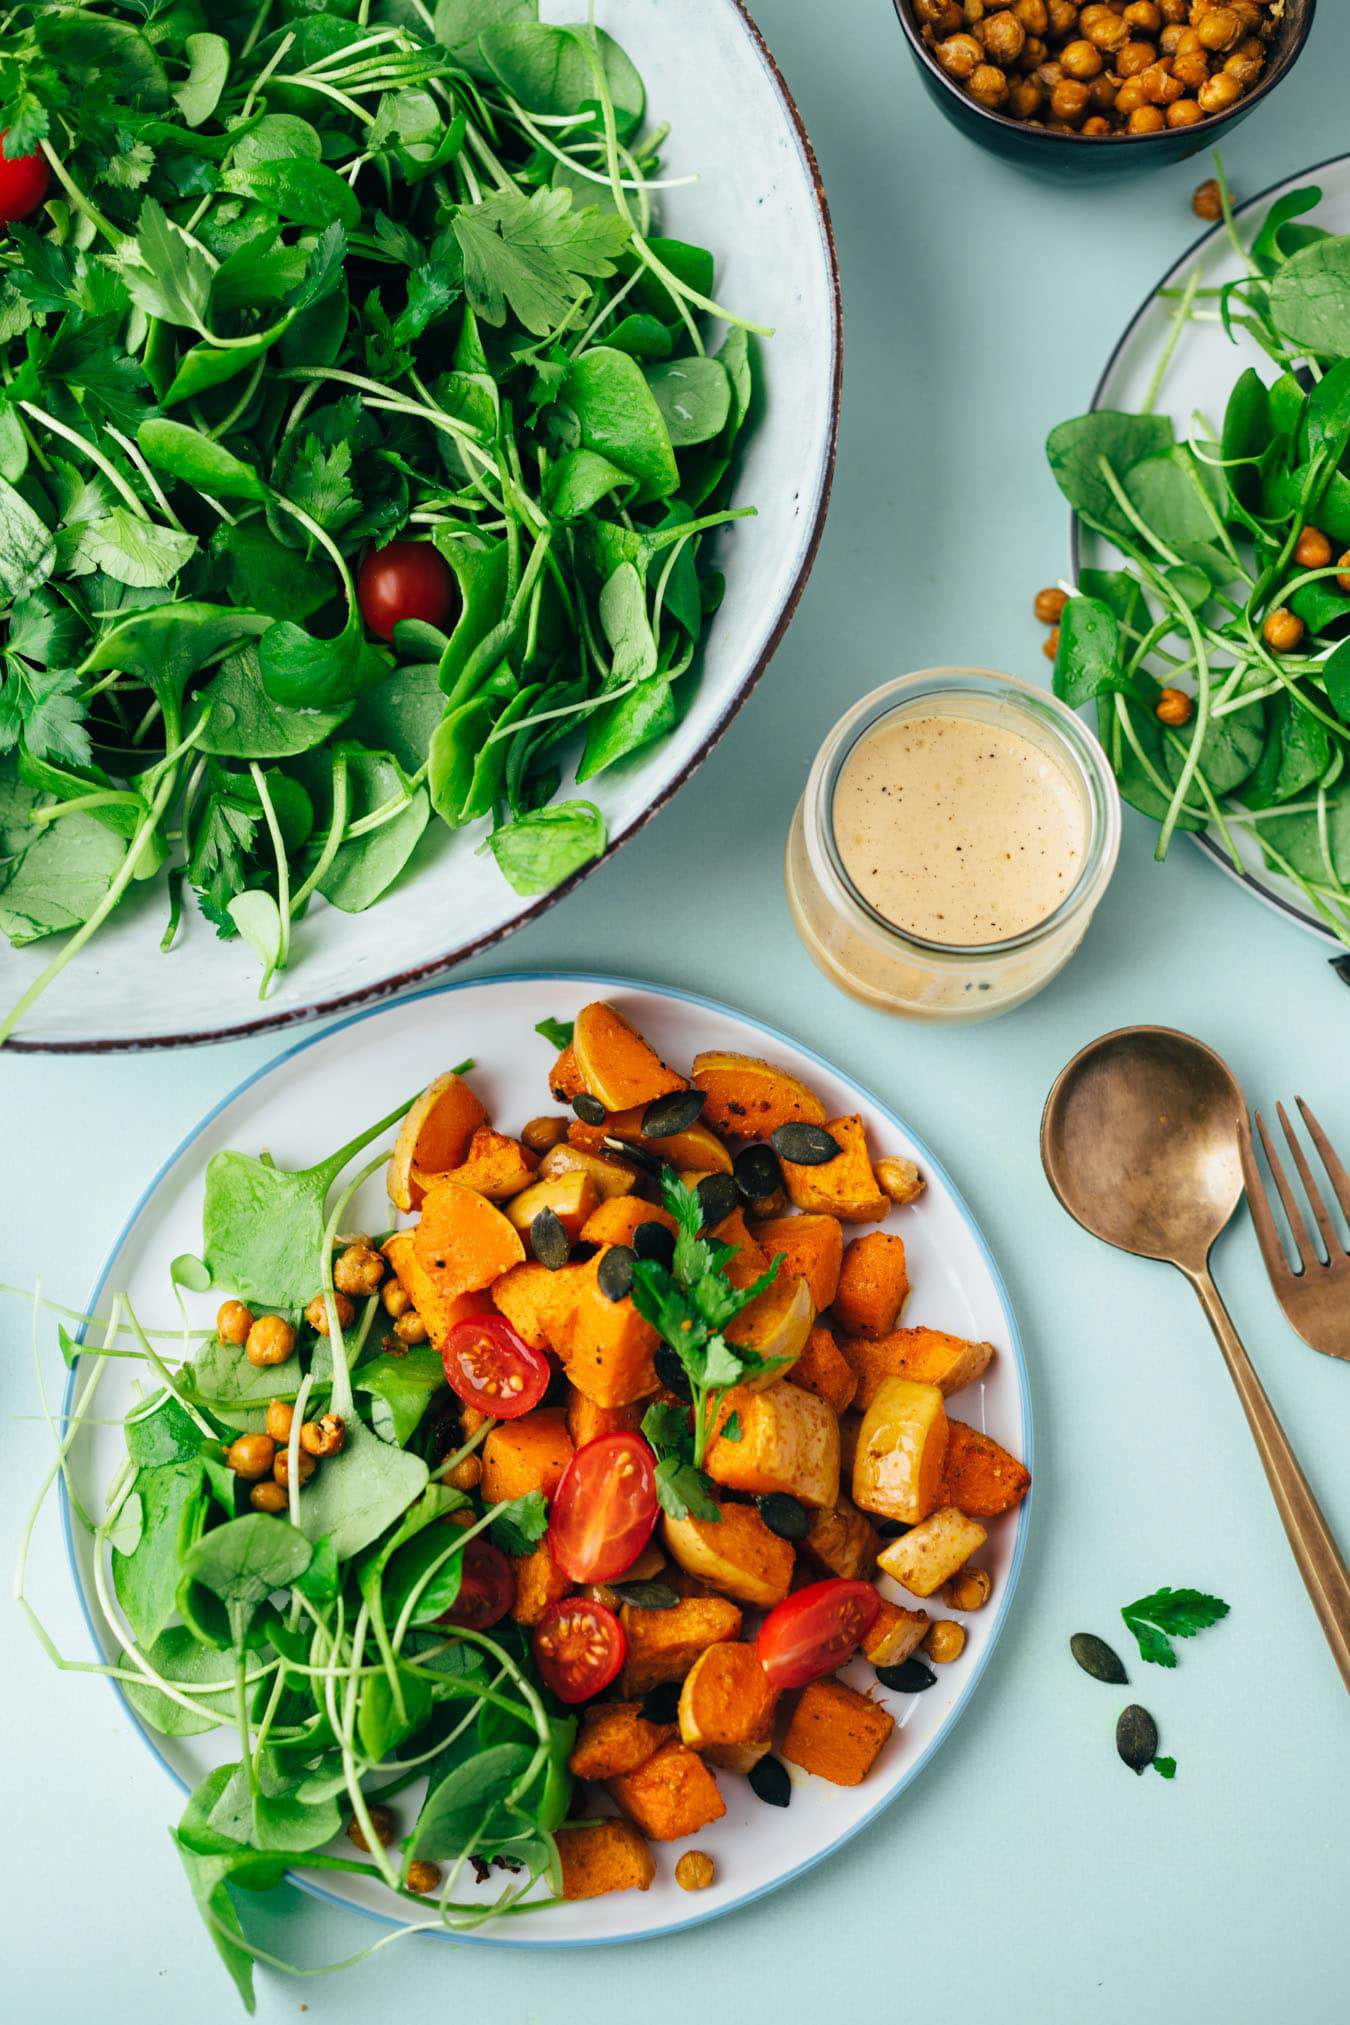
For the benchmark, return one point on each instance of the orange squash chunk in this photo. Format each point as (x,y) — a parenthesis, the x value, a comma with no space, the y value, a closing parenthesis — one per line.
(979,1476)
(751,1258)
(836,1733)
(663,1644)
(438,1312)
(539,1583)
(726,1706)
(872,1284)
(526,1455)
(812,1247)
(463,1241)
(565,1078)
(696,1148)
(434,1136)
(846,1186)
(587,1422)
(603,1856)
(536,1302)
(616,1064)
(823,1369)
(616,1738)
(671,1796)
(494,1166)
(616,1222)
(930,1356)
(749,1097)
(606,1346)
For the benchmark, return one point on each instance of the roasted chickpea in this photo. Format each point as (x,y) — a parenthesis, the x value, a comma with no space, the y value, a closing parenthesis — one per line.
(975,10)
(1244,70)
(542,1134)
(1105,31)
(251,1455)
(1174,10)
(1135,58)
(945,1641)
(281,1468)
(324,1436)
(1170,38)
(899,1179)
(1050,644)
(359,1271)
(1130,96)
(316,1314)
(1049,75)
(1034,53)
(1217,94)
(466,1475)
(382,1822)
(1063,19)
(270,1341)
(947,19)
(969,1590)
(1025,99)
(410,1329)
(1282,631)
(1207,202)
(931,10)
(1143,16)
(233,1322)
(1033,15)
(1147,119)
(1159,86)
(280,1414)
(1004,37)
(1102,93)
(421,1876)
(1188,41)
(1191,68)
(395,1299)
(1050,603)
(695,1870)
(1343,573)
(268,1497)
(1312,550)
(1174,707)
(987,85)
(1095,127)
(1069,101)
(1184,113)
(1218,29)
(1082,60)
(960,56)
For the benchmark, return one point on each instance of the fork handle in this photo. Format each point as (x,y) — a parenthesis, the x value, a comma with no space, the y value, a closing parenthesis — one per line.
(1315,1550)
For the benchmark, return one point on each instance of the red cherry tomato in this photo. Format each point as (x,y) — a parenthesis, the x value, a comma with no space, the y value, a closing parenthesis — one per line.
(579,1647)
(814,1631)
(23,184)
(406,580)
(492,1368)
(487,1588)
(604,1508)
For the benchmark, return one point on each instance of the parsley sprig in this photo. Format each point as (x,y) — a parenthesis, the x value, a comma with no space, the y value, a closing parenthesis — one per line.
(1167,1614)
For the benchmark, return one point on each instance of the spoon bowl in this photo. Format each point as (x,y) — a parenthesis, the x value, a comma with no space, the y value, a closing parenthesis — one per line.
(1140,1143)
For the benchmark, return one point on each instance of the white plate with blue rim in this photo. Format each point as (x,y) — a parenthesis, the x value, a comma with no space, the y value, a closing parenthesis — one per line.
(1200,374)
(365,1065)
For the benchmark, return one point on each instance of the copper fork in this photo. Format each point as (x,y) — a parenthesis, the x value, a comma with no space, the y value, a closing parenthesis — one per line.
(1316,1296)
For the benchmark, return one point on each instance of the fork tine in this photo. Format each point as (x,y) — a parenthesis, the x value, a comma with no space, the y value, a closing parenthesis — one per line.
(1340,1180)
(1319,1208)
(1258,1202)
(1298,1229)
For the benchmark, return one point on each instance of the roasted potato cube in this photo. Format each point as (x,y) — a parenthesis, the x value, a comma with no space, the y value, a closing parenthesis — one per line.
(671,1796)
(571,1196)
(606,1346)
(901,1444)
(726,1707)
(616,1738)
(663,1644)
(789,1441)
(536,1302)
(836,1733)
(844,1187)
(539,1583)
(776,1325)
(895,1635)
(929,1356)
(434,1136)
(844,1541)
(873,1283)
(737,1554)
(750,1098)
(812,1247)
(608,1174)
(979,1476)
(922,1559)
(823,1369)
(850,1427)
(615,1221)
(603,1856)
(526,1455)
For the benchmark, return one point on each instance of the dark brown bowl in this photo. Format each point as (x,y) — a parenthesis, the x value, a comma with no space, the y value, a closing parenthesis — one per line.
(1071,157)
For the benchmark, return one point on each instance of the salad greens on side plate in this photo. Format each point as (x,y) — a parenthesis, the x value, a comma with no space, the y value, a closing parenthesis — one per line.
(308,282)
(1218,656)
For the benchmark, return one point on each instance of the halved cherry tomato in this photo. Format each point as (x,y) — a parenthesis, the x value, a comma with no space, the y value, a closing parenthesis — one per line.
(23,184)
(814,1631)
(604,1508)
(492,1368)
(487,1588)
(579,1647)
(405,580)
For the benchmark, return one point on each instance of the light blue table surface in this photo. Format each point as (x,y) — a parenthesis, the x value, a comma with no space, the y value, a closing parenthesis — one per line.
(1026,1876)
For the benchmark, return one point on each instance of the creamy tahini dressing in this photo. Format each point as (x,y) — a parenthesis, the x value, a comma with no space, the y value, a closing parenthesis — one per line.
(957,830)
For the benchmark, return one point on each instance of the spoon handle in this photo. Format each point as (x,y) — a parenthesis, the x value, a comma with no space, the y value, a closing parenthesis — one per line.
(1318,1557)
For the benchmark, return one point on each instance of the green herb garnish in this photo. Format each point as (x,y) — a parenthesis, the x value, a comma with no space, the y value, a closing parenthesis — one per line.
(1167,1614)
(558,1033)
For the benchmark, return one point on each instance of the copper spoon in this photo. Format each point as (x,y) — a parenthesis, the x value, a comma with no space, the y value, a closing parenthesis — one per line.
(1140,1143)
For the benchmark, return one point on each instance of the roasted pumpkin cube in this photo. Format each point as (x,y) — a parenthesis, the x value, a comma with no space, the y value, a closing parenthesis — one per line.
(539,1582)
(737,1554)
(836,1733)
(775,1326)
(979,1476)
(751,1259)
(616,1738)
(571,1197)
(844,1541)
(749,1097)
(812,1247)
(727,1705)
(872,1284)
(930,1553)
(616,1222)
(494,1165)
(607,1347)
(671,1796)
(901,1443)
(439,1312)
(895,1635)
(663,1644)
(788,1441)
(537,1302)
(602,1856)
(608,1174)
(524,1455)
(823,1368)
(586,1421)
(434,1136)
(844,1187)
(929,1356)
(616,1064)
(463,1241)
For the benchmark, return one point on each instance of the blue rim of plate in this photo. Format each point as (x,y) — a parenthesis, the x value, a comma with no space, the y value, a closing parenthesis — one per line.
(934,1168)
(1202,839)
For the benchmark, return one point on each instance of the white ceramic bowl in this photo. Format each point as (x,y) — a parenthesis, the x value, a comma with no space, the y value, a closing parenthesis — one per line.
(288,1107)
(760,207)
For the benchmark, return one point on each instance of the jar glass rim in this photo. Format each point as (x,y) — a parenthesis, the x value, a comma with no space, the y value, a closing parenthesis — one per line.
(1074,741)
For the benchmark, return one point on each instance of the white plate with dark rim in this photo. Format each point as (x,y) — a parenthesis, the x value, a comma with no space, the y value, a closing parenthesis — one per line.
(290,1107)
(760,206)
(1203,369)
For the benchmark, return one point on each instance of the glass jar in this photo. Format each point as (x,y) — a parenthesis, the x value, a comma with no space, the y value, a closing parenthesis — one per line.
(902,972)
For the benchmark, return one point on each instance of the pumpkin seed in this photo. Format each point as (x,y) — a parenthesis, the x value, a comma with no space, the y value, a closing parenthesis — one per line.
(615,1274)
(661,1704)
(640,1156)
(1096,1657)
(805,1145)
(757,1172)
(717,1198)
(549,1240)
(647,1595)
(671,1372)
(911,1677)
(653,1241)
(589,1109)
(784,1515)
(769,1782)
(665,1116)
(1137,1738)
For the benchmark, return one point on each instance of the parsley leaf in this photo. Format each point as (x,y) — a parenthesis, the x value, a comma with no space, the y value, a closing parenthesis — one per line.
(519,1529)
(1167,1767)
(534,255)
(558,1033)
(165,274)
(45,707)
(223,842)
(1170,1613)
(684,1492)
